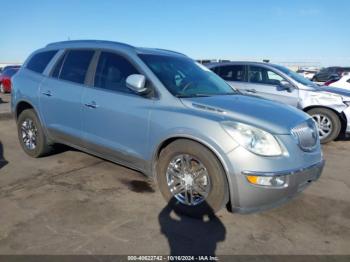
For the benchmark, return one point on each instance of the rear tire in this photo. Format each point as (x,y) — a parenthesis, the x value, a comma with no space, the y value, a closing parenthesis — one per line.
(217,188)
(31,134)
(326,120)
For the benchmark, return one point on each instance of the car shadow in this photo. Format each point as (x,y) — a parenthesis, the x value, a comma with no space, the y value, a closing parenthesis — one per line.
(191,236)
(3,162)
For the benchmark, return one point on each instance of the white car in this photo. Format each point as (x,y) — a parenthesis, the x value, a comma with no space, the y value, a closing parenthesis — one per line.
(343,82)
(307,73)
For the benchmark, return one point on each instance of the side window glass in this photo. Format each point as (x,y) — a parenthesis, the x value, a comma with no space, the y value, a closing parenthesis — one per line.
(232,73)
(39,61)
(261,75)
(112,71)
(58,66)
(75,65)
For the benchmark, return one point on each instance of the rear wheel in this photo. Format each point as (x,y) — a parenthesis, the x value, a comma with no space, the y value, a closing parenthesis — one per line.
(328,123)
(31,135)
(192,179)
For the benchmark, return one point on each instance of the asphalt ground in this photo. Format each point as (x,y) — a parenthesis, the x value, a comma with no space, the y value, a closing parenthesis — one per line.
(74,203)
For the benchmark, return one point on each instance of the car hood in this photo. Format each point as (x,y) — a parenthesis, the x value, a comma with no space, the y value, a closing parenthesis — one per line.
(274,117)
(335,90)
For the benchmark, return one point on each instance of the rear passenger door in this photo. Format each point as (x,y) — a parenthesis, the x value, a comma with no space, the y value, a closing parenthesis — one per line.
(234,75)
(61,94)
(266,83)
(115,119)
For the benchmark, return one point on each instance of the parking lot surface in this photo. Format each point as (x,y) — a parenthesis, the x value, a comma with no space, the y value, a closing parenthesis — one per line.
(74,203)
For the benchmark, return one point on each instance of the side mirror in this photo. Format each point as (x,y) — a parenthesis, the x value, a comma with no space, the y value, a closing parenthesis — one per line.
(136,83)
(285,85)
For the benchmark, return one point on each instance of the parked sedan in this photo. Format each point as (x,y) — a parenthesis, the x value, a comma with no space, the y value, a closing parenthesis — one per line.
(330,107)
(5,79)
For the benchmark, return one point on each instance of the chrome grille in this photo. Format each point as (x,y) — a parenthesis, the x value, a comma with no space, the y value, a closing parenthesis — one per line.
(306,134)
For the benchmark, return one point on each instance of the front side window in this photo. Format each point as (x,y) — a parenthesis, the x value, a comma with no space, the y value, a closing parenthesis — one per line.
(112,71)
(232,72)
(75,66)
(184,77)
(39,61)
(261,75)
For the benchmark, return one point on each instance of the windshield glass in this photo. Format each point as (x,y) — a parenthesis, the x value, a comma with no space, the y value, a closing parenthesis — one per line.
(295,76)
(185,78)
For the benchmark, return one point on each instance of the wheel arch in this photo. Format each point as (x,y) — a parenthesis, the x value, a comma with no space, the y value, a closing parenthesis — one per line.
(212,149)
(21,106)
(340,115)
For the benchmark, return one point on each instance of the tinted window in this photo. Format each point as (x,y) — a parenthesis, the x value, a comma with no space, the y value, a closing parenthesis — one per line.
(75,65)
(232,72)
(39,61)
(262,75)
(57,68)
(112,71)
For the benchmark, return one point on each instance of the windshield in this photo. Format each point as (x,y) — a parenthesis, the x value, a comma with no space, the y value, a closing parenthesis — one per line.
(185,78)
(295,76)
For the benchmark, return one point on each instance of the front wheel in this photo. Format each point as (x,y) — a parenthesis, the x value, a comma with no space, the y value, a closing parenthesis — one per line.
(192,179)
(328,123)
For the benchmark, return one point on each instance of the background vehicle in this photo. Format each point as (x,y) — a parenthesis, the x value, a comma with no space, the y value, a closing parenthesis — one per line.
(162,113)
(343,82)
(307,73)
(5,79)
(327,73)
(329,107)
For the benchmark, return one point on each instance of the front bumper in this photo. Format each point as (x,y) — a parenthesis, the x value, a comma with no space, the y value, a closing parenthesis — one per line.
(347,115)
(258,198)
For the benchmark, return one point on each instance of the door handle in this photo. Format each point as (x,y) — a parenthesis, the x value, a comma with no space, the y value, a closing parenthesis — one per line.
(92,104)
(251,90)
(47,93)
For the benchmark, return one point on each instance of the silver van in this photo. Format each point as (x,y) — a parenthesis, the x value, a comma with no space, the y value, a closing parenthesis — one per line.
(160,112)
(329,107)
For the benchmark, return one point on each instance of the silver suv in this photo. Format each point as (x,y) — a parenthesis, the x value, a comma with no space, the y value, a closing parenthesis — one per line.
(167,116)
(329,107)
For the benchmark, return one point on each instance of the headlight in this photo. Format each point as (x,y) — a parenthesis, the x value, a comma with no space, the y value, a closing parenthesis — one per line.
(254,139)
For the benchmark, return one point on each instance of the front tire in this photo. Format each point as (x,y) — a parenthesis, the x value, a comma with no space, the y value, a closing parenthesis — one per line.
(192,179)
(328,123)
(31,135)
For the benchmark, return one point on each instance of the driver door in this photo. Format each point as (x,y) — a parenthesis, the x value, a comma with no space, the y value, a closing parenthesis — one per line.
(266,83)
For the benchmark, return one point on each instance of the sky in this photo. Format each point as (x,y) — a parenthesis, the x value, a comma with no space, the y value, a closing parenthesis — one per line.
(314,31)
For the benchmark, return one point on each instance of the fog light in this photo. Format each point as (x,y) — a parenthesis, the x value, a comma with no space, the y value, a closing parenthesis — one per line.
(274,181)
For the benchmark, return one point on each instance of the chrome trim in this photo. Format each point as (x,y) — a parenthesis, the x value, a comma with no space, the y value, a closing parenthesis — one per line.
(285,172)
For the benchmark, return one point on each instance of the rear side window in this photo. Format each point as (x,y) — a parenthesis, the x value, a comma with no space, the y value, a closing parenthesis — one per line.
(75,66)
(112,71)
(232,73)
(39,61)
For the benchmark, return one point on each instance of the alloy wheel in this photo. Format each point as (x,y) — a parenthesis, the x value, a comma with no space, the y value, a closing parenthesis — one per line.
(324,125)
(188,180)
(29,134)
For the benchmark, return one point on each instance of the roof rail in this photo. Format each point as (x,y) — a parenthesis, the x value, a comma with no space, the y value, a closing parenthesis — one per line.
(88,41)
